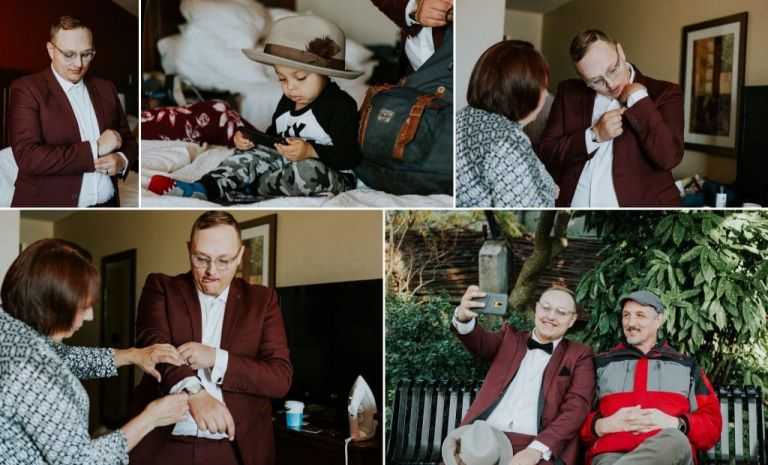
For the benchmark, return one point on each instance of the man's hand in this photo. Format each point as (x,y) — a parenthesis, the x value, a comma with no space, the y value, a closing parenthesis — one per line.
(110,164)
(630,89)
(296,149)
(652,419)
(211,415)
(609,126)
(527,456)
(242,142)
(198,355)
(622,420)
(109,141)
(168,410)
(466,305)
(148,357)
(434,13)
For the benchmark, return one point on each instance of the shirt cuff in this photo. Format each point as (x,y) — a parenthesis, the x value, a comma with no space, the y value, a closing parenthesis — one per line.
(94,148)
(411,6)
(591,146)
(636,96)
(463,328)
(546,454)
(220,366)
(185,383)
(125,160)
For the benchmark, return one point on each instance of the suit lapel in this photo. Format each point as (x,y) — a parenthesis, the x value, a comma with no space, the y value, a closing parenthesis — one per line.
(587,106)
(58,93)
(231,311)
(517,358)
(96,101)
(192,306)
(552,369)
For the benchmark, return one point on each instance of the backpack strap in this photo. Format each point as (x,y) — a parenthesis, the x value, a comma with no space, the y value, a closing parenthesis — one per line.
(365,108)
(411,124)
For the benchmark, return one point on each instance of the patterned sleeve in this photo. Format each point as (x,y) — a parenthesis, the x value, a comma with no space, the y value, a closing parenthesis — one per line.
(88,362)
(47,409)
(517,181)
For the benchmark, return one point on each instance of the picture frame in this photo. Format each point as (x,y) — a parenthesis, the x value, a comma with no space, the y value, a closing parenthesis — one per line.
(712,78)
(258,263)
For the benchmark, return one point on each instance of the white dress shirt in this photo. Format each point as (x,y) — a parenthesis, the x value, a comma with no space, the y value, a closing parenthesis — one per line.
(212,308)
(420,47)
(518,409)
(96,187)
(595,188)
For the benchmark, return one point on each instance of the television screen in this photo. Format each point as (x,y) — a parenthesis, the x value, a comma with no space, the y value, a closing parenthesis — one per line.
(334,334)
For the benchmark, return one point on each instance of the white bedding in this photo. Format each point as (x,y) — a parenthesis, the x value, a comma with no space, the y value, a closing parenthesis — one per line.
(188,162)
(129,189)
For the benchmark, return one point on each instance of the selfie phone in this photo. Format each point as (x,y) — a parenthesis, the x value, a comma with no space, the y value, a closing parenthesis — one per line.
(260,138)
(493,304)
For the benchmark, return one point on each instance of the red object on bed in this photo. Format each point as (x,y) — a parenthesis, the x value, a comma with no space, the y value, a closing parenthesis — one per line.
(211,121)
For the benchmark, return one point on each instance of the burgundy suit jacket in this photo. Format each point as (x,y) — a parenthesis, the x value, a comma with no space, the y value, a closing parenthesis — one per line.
(643,155)
(567,391)
(395,10)
(46,142)
(258,367)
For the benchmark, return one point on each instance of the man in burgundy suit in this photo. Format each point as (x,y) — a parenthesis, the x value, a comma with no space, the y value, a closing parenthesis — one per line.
(231,334)
(69,134)
(540,386)
(422,25)
(613,136)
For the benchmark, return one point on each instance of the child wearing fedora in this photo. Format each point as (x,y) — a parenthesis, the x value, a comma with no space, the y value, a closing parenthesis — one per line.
(316,118)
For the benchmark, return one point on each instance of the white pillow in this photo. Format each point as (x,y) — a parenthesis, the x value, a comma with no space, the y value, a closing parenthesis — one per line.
(237,22)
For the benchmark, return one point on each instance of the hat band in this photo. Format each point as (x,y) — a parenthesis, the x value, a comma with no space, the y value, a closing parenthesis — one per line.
(303,56)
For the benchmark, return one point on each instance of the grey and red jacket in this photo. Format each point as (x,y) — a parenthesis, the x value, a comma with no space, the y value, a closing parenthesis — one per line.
(663,379)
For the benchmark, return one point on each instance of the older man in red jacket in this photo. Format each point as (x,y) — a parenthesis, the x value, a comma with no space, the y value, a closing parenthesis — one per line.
(654,405)
(540,385)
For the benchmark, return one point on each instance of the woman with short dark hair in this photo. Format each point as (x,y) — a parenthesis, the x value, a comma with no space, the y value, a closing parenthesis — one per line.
(495,162)
(46,295)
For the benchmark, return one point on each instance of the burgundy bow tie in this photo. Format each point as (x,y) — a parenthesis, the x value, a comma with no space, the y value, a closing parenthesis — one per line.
(532,344)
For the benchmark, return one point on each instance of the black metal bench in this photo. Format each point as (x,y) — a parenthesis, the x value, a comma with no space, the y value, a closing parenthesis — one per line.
(424,412)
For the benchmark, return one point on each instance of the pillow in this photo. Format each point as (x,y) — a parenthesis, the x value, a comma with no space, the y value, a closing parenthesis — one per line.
(211,121)
(239,23)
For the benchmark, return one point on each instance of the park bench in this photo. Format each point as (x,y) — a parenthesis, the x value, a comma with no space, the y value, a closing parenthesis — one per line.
(424,412)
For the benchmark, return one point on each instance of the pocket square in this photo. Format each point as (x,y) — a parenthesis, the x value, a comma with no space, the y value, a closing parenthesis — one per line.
(565,372)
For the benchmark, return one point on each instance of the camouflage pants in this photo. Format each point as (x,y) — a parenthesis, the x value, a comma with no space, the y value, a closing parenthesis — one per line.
(263,171)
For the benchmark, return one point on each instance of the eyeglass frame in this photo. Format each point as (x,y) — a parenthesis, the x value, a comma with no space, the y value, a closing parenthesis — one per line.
(602,82)
(560,314)
(206,261)
(74,58)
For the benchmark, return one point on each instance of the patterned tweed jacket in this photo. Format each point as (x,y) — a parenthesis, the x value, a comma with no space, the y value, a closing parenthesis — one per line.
(496,165)
(43,406)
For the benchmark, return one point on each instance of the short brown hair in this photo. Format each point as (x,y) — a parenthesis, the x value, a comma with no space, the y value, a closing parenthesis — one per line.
(48,283)
(213,218)
(67,23)
(584,39)
(557,287)
(508,79)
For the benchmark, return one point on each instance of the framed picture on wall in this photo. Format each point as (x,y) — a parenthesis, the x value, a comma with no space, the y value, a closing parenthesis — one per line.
(258,264)
(712,76)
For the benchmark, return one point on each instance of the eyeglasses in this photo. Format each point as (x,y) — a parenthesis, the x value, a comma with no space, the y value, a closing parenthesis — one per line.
(221,263)
(546,309)
(71,56)
(613,74)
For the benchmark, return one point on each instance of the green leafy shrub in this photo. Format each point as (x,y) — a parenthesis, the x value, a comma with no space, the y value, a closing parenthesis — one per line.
(710,269)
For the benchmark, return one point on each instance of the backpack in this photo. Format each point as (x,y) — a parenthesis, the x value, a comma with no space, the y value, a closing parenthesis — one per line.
(406,130)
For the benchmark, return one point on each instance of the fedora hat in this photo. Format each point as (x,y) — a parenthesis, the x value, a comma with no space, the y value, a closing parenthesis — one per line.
(307,42)
(477,444)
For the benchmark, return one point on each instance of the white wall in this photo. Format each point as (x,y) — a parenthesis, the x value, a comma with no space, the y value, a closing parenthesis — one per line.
(34,230)
(524,25)
(9,242)
(479,24)
(359,19)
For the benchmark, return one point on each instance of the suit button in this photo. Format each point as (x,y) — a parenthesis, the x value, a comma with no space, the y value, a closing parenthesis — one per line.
(74,196)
